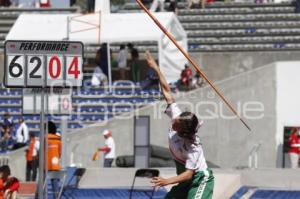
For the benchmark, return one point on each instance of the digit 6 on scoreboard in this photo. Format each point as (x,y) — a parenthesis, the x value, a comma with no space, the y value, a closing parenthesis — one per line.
(74,70)
(15,70)
(55,65)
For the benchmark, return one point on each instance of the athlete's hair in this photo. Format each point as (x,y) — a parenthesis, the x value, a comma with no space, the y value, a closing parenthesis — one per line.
(188,124)
(51,127)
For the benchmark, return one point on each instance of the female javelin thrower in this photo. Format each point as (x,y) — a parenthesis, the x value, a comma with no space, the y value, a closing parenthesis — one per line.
(195,180)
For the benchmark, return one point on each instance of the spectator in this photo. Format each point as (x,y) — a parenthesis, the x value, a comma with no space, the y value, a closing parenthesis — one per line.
(98,78)
(9,185)
(197,81)
(5,3)
(193,3)
(90,6)
(151,80)
(8,121)
(197,3)
(32,158)
(108,149)
(173,6)
(6,142)
(156,3)
(22,134)
(102,58)
(54,148)
(135,70)
(122,61)
(296,4)
(186,77)
(294,148)
(72,2)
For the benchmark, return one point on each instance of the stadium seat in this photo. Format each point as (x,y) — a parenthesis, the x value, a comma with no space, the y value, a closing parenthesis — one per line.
(144,173)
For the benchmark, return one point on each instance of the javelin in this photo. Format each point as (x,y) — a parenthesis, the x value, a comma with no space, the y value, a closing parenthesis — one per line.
(171,37)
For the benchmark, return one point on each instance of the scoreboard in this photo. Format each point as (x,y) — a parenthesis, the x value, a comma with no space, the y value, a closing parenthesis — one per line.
(30,64)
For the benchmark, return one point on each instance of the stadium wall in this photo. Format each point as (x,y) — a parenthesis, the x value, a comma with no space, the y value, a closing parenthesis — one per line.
(226,142)
(221,65)
(287,103)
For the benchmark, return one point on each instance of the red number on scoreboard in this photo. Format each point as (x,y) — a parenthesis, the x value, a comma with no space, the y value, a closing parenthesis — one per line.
(73,68)
(54,63)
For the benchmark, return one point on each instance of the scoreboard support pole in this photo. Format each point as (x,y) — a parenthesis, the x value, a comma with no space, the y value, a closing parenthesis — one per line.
(42,184)
(109,68)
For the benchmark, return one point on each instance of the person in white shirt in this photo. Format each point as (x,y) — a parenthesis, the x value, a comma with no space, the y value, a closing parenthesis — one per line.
(194,179)
(22,134)
(109,149)
(156,3)
(122,61)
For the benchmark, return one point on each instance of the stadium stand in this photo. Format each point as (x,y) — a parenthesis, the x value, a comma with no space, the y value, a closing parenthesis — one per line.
(218,28)
(257,192)
(90,105)
(238,26)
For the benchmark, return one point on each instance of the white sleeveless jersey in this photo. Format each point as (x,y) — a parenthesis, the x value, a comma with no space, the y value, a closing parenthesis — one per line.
(185,151)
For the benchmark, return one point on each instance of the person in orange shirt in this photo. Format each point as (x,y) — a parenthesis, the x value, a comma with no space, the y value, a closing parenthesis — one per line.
(54,148)
(32,159)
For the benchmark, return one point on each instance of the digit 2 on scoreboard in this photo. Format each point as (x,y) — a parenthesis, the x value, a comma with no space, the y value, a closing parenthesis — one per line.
(55,70)
(15,69)
(35,70)
(74,70)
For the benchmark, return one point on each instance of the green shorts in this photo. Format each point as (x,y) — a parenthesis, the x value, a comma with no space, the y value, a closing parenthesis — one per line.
(200,187)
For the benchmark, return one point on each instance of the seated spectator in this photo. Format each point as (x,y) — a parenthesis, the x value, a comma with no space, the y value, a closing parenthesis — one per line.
(151,80)
(99,78)
(186,77)
(8,121)
(197,81)
(22,134)
(6,142)
(9,185)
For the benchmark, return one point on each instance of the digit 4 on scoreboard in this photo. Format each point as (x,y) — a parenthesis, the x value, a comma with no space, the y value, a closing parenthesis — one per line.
(74,70)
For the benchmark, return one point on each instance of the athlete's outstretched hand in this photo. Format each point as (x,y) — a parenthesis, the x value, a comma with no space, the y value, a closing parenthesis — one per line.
(151,61)
(159,181)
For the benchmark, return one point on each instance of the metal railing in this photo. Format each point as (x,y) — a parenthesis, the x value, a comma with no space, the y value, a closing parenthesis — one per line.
(253,156)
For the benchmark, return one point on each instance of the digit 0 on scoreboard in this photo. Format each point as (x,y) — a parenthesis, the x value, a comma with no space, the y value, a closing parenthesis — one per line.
(55,72)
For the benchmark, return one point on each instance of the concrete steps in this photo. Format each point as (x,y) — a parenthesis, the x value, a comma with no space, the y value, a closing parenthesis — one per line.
(237,26)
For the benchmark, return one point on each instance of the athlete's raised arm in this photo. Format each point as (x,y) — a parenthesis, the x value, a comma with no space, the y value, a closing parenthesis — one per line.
(162,80)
